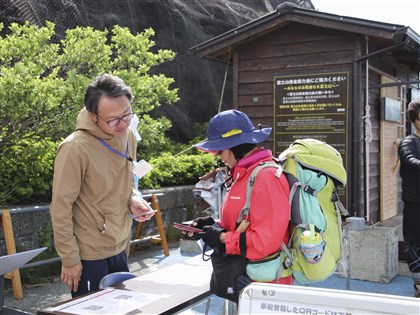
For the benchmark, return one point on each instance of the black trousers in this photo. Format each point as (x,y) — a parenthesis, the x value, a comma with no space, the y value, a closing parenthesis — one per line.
(94,270)
(411,223)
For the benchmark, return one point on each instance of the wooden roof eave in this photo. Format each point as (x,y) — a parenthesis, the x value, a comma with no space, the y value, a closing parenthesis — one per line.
(346,25)
(218,47)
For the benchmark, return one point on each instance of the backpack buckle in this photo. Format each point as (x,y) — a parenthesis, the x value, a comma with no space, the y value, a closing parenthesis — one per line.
(310,190)
(287,262)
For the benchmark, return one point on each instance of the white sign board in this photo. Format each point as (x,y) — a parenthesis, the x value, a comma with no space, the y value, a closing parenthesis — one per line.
(265,298)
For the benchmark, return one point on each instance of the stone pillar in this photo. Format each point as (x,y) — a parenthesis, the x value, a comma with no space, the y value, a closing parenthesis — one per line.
(373,253)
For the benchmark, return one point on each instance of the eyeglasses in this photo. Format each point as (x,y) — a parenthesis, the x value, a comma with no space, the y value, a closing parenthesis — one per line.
(114,122)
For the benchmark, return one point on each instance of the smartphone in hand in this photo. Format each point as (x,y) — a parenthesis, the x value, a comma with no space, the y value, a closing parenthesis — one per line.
(187,228)
(144,214)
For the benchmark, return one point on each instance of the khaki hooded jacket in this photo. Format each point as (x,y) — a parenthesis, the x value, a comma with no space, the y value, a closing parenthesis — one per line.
(92,188)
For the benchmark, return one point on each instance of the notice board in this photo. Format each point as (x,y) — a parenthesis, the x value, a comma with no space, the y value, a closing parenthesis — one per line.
(313,105)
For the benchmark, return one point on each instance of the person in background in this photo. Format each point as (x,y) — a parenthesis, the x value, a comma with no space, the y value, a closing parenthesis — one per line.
(409,153)
(133,126)
(93,195)
(232,136)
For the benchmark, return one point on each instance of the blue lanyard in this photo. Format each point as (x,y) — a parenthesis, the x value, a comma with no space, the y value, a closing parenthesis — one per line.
(126,156)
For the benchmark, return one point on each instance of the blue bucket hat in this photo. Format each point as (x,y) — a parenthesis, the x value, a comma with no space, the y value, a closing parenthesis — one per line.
(229,129)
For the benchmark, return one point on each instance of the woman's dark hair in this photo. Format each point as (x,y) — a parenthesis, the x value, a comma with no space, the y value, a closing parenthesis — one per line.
(413,110)
(107,85)
(241,150)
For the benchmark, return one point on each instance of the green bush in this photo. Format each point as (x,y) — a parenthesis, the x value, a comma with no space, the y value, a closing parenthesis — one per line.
(153,140)
(43,81)
(183,169)
(42,88)
(29,174)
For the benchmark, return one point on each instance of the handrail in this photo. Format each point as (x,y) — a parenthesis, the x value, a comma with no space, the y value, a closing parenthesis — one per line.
(27,209)
(30,209)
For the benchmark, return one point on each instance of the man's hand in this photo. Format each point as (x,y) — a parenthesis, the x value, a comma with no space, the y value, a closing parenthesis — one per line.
(141,209)
(70,276)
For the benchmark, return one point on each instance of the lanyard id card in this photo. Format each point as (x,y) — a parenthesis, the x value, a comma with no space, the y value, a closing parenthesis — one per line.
(141,168)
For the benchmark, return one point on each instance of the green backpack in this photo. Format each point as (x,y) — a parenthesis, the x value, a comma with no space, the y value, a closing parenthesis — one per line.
(315,174)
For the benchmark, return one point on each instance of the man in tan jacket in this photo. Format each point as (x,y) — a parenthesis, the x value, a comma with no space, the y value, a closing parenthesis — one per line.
(93,197)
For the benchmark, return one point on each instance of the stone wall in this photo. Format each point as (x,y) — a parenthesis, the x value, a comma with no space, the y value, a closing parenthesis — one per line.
(32,225)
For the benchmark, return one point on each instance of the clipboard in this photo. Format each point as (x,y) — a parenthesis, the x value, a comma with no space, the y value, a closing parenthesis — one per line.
(8,263)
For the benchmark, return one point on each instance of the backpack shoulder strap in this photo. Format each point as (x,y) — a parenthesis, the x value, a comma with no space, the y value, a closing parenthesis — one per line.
(246,208)
(338,204)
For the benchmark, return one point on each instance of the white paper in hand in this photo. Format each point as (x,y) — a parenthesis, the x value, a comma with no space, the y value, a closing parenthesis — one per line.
(141,168)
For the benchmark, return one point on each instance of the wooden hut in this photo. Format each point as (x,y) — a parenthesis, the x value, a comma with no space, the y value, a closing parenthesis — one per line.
(343,80)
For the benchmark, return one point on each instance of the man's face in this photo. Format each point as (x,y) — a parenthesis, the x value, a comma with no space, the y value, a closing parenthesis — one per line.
(114,115)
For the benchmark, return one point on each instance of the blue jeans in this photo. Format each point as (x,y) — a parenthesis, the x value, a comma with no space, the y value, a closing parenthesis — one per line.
(94,270)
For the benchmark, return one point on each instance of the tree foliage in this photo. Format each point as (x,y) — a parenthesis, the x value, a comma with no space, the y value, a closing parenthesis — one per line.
(43,80)
(170,170)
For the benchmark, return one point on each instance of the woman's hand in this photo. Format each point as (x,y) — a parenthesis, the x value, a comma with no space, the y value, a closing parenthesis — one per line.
(200,222)
(213,236)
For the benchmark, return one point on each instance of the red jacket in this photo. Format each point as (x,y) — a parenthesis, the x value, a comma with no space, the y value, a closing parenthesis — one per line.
(269,208)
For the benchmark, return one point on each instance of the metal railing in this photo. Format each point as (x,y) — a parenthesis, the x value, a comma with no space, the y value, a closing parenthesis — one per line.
(47,261)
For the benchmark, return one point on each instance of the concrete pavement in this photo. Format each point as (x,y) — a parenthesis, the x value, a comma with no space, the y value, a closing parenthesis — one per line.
(40,296)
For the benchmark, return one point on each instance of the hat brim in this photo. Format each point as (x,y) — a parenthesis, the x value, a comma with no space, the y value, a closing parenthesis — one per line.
(216,145)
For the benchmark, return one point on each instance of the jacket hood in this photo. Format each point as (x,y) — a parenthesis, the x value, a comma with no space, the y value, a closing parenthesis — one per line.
(84,123)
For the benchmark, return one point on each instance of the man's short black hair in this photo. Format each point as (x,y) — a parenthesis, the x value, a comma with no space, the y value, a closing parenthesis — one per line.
(107,85)
(413,110)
